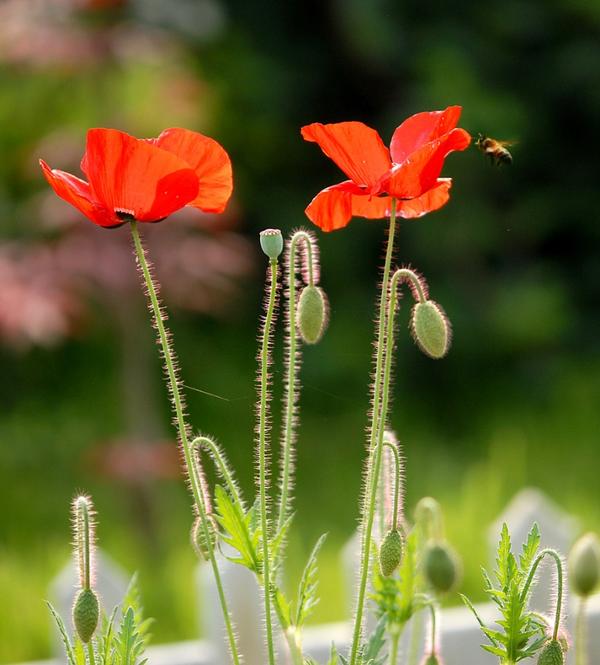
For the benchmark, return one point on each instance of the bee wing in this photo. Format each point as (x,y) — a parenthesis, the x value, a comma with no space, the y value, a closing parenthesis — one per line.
(505,144)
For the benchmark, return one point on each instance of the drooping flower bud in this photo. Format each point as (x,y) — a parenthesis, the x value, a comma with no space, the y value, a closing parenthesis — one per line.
(551,654)
(390,552)
(431,329)
(441,567)
(86,612)
(584,565)
(198,537)
(312,314)
(271,242)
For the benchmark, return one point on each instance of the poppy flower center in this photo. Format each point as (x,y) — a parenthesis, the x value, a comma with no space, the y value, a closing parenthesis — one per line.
(124,215)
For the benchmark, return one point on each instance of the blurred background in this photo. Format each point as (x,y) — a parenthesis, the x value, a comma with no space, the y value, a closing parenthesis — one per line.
(513,258)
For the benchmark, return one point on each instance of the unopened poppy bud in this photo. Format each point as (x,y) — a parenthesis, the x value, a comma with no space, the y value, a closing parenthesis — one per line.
(441,567)
(584,565)
(390,552)
(85,614)
(198,537)
(431,328)
(551,654)
(312,314)
(271,242)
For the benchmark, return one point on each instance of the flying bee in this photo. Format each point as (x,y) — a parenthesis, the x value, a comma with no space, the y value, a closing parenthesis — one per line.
(495,150)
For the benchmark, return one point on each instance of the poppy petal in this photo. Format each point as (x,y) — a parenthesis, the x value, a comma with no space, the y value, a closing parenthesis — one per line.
(420,171)
(78,193)
(133,176)
(432,200)
(333,207)
(422,128)
(210,162)
(357,149)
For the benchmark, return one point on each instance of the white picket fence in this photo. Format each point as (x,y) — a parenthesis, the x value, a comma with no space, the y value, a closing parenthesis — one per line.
(460,634)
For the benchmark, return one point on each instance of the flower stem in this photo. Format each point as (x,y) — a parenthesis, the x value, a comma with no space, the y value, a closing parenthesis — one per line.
(397,481)
(374,452)
(170,365)
(559,572)
(581,634)
(262,445)
(91,654)
(292,361)
(395,643)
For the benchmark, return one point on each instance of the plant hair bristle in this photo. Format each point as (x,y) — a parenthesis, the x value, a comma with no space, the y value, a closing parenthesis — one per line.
(389,478)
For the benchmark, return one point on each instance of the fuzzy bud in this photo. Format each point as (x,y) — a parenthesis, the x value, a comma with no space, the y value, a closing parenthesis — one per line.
(85,614)
(271,242)
(441,567)
(431,329)
(584,565)
(390,552)
(199,542)
(312,314)
(551,654)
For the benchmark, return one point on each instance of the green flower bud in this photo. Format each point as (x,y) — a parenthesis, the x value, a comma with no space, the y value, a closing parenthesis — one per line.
(584,565)
(390,552)
(271,242)
(85,614)
(441,567)
(431,329)
(312,314)
(551,654)
(198,537)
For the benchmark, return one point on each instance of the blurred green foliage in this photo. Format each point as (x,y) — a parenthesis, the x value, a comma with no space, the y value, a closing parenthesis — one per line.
(513,258)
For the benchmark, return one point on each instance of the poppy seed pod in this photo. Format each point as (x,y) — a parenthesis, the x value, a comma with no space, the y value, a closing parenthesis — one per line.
(312,314)
(85,614)
(431,329)
(198,537)
(584,565)
(390,552)
(271,243)
(441,567)
(551,654)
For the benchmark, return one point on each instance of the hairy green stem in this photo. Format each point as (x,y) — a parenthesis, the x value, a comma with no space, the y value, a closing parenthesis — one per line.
(397,481)
(91,654)
(433,626)
(222,466)
(262,446)
(291,397)
(559,572)
(374,451)
(170,364)
(581,657)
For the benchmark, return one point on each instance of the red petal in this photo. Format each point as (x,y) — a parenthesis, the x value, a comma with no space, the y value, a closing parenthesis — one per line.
(432,200)
(357,149)
(420,171)
(78,193)
(134,176)
(421,128)
(210,162)
(334,207)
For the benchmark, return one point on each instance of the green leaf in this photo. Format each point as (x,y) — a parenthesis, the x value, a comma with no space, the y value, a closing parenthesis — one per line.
(242,532)
(133,600)
(63,634)
(129,644)
(307,589)
(530,548)
(372,650)
(106,639)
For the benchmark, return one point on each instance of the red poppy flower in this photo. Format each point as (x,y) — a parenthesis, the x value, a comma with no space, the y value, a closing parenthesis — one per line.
(145,179)
(409,171)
